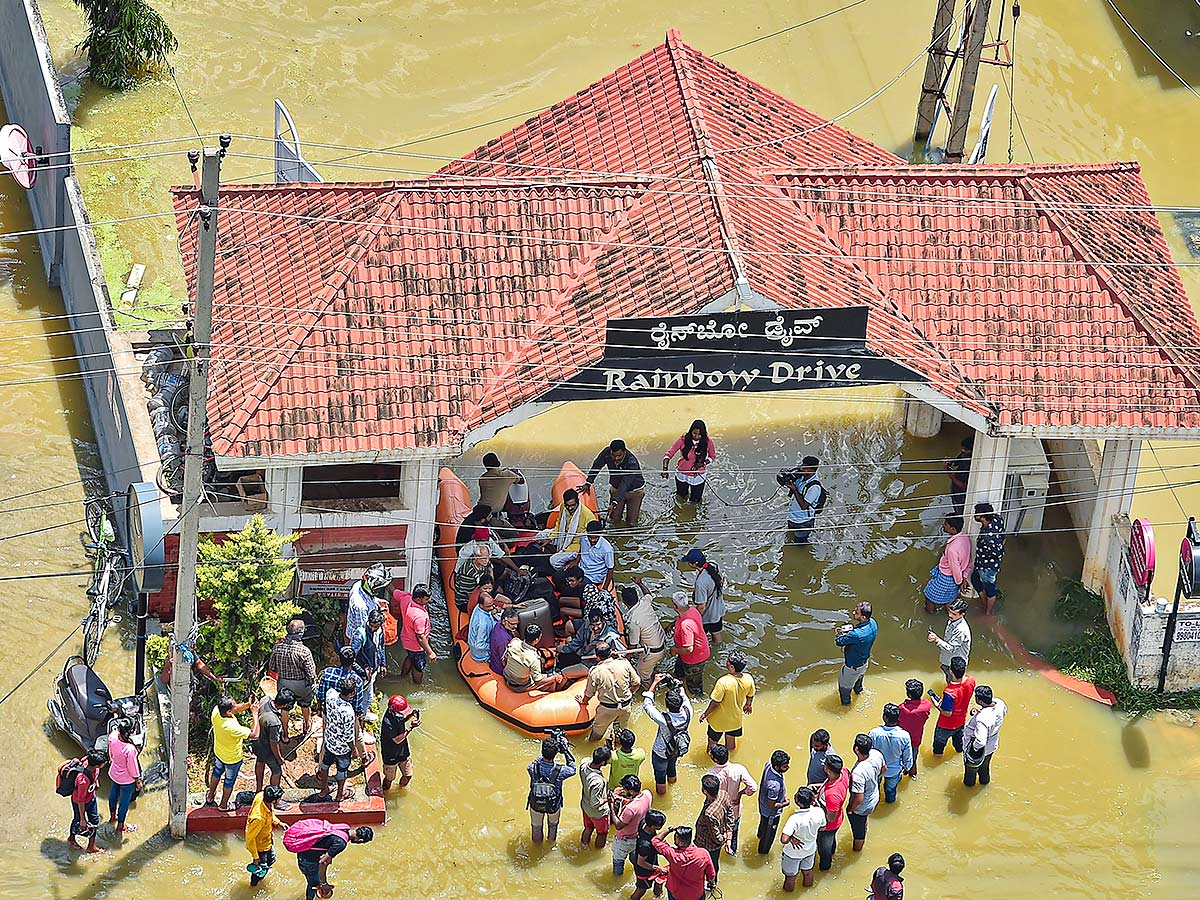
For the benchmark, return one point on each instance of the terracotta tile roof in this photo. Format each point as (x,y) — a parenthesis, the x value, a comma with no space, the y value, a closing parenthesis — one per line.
(391,319)
(1032,295)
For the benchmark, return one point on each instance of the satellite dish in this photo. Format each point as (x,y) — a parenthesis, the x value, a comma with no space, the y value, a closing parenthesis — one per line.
(17,155)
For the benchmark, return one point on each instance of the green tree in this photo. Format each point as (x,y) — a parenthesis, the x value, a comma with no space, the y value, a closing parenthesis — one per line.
(125,39)
(243,577)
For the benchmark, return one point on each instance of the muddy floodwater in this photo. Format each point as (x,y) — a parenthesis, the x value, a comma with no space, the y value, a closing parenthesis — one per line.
(1084,802)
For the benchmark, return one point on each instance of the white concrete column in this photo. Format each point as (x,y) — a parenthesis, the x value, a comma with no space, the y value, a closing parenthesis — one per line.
(284,490)
(1114,496)
(420,496)
(989,471)
(920,419)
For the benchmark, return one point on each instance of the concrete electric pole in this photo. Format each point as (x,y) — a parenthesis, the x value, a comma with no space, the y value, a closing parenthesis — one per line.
(931,87)
(193,487)
(972,51)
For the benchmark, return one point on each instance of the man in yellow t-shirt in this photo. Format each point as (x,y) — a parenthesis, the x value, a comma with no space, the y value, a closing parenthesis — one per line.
(260,836)
(228,752)
(732,698)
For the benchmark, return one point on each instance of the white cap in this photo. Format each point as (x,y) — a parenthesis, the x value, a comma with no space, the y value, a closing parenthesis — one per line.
(681,599)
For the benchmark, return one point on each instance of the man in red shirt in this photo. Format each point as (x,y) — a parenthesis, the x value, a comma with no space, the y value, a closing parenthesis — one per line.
(690,869)
(85,812)
(414,632)
(954,703)
(914,713)
(691,650)
(831,795)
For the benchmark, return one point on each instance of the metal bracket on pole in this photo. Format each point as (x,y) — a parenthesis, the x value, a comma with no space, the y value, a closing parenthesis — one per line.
(193,485)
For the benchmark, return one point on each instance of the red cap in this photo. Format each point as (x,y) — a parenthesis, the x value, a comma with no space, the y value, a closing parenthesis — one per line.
(481,534)
(398,704)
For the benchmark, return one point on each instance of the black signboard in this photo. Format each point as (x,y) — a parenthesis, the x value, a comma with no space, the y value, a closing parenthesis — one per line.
(736,352)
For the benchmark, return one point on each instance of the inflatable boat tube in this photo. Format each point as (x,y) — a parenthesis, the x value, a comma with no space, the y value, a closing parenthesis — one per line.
(535,712)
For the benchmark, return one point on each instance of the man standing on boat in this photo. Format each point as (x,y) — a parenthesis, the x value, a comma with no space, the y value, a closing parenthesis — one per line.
(596,555)
(626,486)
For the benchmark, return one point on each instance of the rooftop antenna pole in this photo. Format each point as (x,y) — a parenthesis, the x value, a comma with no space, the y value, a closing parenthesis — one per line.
(193,488)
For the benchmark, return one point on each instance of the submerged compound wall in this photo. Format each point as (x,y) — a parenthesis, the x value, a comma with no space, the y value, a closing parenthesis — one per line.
(33,100)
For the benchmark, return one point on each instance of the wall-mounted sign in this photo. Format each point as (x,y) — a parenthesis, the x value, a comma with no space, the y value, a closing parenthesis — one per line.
(146,545)
(1189,561)
(1187,631)
(736,352)
(1141,552)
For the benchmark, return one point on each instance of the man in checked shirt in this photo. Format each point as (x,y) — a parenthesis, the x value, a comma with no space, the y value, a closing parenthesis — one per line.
(296,670)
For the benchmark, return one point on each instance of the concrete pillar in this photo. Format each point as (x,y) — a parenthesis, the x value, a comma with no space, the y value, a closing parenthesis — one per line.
(420,496)
(920,419)
(989,471)
(284,490)
(1114,495)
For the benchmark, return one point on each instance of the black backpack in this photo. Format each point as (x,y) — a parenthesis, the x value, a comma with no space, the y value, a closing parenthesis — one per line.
(545,791)
(677,742)
(64,786)
(819,506)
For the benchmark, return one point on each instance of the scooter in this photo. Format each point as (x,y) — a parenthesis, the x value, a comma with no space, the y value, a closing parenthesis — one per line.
(84,708)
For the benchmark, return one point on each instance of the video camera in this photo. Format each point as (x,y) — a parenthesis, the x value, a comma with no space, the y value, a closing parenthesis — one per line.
(560,739)
(788,477)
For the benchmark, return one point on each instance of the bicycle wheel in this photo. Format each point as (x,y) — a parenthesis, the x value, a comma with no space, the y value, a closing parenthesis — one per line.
(170,477)
(93,633)
(93,519)
(118,578)
(179,409)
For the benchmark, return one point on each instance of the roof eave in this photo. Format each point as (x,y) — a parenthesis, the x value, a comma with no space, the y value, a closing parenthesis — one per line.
(342,457)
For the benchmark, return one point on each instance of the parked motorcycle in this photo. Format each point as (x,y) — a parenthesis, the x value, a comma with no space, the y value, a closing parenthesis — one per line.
(83,707)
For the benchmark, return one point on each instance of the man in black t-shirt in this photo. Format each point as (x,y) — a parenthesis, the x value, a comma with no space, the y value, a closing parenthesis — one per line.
(269,745)
(314,862)
(398,723)
(645,857)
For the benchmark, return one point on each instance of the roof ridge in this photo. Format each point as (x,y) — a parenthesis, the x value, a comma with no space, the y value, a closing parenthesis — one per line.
(1105,277)
(708,159)
(294,341)
(955,172)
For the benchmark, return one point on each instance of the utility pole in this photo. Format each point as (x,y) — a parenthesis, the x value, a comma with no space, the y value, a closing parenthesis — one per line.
(972,51)
(193,486)
(931,87)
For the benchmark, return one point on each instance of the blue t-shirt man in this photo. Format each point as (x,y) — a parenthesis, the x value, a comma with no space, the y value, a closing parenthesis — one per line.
(810,490)
(596,560)
(479,633)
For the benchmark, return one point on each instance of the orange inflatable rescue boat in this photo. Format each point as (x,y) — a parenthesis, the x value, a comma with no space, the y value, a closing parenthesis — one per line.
(533,712)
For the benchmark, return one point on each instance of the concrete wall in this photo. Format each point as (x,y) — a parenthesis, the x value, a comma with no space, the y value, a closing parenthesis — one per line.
(1139,627)
(1076,469)
(33,100)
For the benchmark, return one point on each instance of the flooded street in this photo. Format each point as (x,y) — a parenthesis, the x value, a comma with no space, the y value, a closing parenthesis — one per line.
(1084,803)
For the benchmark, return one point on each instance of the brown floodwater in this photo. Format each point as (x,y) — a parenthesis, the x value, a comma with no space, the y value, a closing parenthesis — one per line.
(1085,803)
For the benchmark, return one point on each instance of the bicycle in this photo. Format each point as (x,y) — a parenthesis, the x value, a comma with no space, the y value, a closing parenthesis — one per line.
(110,571)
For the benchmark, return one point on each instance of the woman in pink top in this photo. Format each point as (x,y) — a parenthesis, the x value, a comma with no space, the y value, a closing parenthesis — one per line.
(696,451)
(125,775)
(952,570)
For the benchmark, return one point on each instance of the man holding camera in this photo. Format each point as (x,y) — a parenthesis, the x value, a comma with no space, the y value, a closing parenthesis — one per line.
(546,777)
(806,498)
